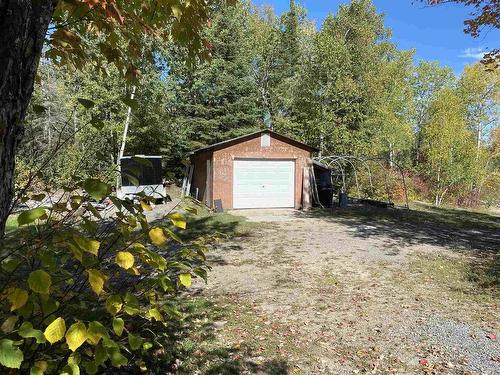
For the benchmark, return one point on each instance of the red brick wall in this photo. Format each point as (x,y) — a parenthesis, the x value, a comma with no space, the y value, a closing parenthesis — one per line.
(279,149)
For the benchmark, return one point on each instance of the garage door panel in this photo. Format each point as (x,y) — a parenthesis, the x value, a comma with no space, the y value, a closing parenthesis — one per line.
(263,183)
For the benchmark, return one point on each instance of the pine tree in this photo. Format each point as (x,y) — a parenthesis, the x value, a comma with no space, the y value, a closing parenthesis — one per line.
(218,99)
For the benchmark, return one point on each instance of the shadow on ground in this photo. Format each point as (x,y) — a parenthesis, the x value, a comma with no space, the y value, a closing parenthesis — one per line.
(192,346)
(435,226)
(474,234)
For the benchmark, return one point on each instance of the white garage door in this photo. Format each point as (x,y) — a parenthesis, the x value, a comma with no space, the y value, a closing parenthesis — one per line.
(263,183)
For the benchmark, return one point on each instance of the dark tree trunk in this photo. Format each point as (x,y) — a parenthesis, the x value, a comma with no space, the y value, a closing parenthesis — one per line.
(23,25)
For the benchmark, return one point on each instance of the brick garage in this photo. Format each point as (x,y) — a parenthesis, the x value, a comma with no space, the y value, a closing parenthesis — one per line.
(259,170)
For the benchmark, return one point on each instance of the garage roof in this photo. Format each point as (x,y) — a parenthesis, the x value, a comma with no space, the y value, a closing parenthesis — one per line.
(230,142)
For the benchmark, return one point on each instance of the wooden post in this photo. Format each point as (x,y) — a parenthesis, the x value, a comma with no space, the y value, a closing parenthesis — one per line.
(306,189)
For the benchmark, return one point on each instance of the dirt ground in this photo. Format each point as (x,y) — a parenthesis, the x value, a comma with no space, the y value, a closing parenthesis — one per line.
(355,292)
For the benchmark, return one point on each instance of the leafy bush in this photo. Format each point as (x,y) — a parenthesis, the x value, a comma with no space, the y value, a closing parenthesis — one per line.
(79,289)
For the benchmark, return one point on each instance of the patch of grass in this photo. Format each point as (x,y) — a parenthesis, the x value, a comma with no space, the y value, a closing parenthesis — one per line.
(419,213)
(208,223)
(223,336)
(458,278)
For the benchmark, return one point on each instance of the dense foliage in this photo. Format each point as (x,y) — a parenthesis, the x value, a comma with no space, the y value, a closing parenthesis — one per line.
(344,88)
(80,289)
(93,290)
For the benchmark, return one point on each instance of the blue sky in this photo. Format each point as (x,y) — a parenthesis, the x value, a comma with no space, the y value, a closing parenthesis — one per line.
(436,33)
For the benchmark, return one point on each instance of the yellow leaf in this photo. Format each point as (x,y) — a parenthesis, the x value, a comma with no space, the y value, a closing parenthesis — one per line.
(157,236)
(96,280)
(145,206)
(178,220)
(155,314)
(17,297)
(76,336)
(124,259)
(185,279)
(55,330)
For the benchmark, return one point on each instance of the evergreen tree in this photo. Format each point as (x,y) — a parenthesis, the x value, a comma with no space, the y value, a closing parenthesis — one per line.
(218,99)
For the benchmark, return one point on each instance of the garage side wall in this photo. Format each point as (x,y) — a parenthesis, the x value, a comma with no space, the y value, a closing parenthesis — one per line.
(251,149)
(199,181)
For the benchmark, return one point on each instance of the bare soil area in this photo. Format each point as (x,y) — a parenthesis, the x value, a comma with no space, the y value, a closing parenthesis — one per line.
(356,291)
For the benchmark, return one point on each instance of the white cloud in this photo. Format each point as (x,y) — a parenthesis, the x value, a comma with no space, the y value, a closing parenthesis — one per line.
(473,53)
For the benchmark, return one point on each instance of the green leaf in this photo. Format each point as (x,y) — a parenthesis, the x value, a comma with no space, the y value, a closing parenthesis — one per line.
(118,325)
(35,370)
(76,335)
(124,259)
(96,280)
(27,331)
(131,304)
(55,330)
(39,109)
(90,367)
(132,179)
(38,197)
(100,355)
(134,341)
(96,332)
(185,279)
(97,123)
(90,246)
(114,304)
(96,188)
(172,235)
(143,161)
(40,281)
(10,356)
(71,369)
(29,216)
(17,297)
(129,102)
(117,359)
(86,102)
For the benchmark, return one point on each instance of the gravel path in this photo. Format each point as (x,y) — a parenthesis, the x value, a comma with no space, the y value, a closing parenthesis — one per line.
(463,343)
(349,295)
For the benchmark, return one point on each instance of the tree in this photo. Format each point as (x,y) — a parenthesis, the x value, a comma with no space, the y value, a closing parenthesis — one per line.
(429,79)
(394,108)
(217,99)
(78,28)
(448,146)
(480,91)
(340,80)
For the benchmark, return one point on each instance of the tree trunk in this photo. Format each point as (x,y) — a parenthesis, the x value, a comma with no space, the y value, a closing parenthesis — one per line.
(23,25)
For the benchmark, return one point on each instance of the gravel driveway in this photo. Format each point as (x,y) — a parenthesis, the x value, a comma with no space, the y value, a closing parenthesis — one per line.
(360,295)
